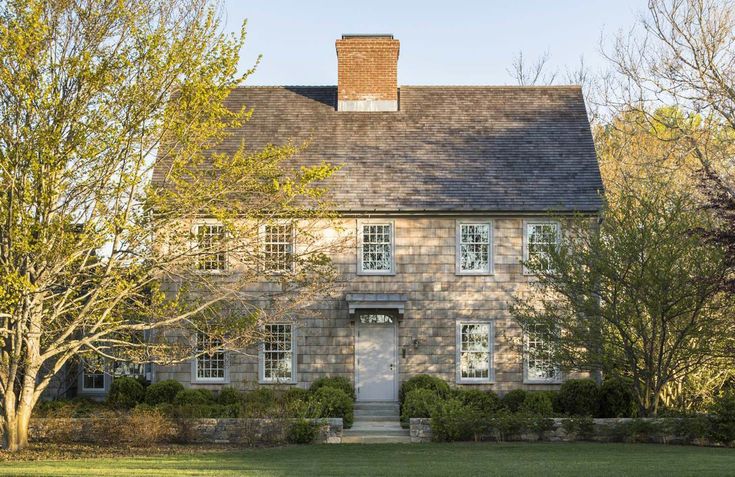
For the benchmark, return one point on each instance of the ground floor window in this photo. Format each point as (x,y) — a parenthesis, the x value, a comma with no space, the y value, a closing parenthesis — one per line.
(276,360)
(93,373)
(539,363)
(474,352)
(210,359)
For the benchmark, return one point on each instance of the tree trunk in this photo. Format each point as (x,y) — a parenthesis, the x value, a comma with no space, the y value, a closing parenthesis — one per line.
(16,416)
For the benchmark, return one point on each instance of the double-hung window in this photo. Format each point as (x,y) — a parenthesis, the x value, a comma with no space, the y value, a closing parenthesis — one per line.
(539,364)
(277,354)
(475,352)
(376,248)
(474,248)
(278,248)
(538,238)
(209,247)
(210,365)
(93,374)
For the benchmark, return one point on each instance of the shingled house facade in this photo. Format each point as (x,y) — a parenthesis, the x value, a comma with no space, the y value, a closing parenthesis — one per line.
(445,191)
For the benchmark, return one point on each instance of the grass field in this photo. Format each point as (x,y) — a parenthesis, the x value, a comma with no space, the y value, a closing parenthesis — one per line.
(461,459)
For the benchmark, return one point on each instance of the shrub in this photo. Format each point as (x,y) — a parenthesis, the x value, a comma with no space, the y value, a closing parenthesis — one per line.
(581,427)
(693,429)
(229,396)
(206,410)
(722,420)
(302,432)
(125,393)
(452,420)
(578,397)
(193,396)
(260,402)
(635,430)
(337,382)
(508,425)
(162,392)
(145,426)
(616,398)
(537,404)
(419,403)
(424,381)
(333,402)
(513,400)
(486,403)
(295,394)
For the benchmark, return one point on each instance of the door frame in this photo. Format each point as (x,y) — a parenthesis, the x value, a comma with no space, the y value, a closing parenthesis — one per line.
(394,315)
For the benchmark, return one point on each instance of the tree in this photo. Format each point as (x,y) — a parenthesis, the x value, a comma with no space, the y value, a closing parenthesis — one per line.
(93,257)
(682,54)
(641,297)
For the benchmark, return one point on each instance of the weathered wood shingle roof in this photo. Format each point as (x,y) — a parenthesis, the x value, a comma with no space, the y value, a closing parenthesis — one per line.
(448,149)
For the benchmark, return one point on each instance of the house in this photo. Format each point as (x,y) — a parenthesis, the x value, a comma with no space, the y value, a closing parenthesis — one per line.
(445,191)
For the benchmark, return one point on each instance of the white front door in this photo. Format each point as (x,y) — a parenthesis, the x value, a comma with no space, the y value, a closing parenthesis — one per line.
(375,353)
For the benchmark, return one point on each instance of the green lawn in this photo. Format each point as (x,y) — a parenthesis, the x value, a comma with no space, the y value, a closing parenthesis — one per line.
(462,459)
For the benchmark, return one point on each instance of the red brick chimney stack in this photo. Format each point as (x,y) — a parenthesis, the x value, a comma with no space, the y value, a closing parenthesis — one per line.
(367,76)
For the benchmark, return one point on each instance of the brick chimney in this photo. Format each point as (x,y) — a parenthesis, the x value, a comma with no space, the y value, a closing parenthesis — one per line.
(367,73)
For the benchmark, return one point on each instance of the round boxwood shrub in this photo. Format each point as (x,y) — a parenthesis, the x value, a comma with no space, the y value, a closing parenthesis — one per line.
(333,402)
(162,392)
(194,397)
(295,394)
(337,382)
(229,396)
(452,420)
(538,404)
(616,398)
(513,400)
(578,397)
(302,432)
(485,402)
(419,403)
(125,393)
(424,381)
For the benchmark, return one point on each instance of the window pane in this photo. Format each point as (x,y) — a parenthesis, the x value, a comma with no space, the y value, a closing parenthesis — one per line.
(377,253)
(474,351)
(93,372)
(474,247)
(277,356)
(539,238)
(278,248)
(208,239)
(210,359)
(539,356)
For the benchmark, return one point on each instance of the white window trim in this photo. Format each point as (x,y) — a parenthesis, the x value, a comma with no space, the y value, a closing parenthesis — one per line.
(526,380)
(194,245)
(293,248)
(528,222)
(261,359)
(195,379)
(105,381)
(458,353)
(491,248)
(392,224)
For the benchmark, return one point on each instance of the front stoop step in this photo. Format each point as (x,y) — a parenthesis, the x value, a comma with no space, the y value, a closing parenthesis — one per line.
(376,422)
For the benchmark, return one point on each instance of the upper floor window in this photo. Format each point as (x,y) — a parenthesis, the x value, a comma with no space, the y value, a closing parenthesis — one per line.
(538,237)
(474,248)
(278,248)
(210,363)
(209,238)
(277,354)
(474,352)
(539,364)
(376,248)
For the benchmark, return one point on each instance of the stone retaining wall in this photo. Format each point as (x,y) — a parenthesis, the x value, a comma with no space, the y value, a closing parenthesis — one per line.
(248,432)
(603,430)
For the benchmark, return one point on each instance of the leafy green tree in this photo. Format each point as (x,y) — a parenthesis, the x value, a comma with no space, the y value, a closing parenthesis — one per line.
(93,258)
(641,295)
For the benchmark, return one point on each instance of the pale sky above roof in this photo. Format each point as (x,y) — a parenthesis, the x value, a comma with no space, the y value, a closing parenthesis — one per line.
(442,42)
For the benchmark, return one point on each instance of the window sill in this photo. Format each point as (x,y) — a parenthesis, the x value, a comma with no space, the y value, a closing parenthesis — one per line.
(209,381)
(536,382)
(376,274)
(476,381)
(277,383)
(474,274)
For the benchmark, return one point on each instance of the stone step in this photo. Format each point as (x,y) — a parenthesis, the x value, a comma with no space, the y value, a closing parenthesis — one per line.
(377,439)
(376,432)
(376,405)
(378,417)
(376,425)
(382,414)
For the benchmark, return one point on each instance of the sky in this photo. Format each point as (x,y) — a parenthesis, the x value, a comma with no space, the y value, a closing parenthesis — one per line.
(442,42)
